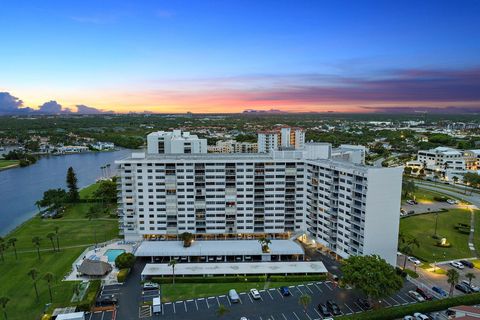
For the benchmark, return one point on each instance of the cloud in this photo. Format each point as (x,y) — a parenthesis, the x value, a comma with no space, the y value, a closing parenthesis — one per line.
(11,105)
(83,109)
(52,107)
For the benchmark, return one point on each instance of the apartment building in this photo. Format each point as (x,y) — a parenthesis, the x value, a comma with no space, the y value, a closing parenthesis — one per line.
(343,205)
(162,142)
(232,146)
(285,137)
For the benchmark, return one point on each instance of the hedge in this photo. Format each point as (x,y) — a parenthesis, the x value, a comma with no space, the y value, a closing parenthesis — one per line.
(429,306)
(90,296)
(233,279)
(122,274)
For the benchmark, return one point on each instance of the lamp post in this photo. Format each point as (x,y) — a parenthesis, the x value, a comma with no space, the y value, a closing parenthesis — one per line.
(436,224)
(434,263)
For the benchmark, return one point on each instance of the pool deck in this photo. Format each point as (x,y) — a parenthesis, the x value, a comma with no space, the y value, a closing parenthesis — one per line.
(98,253)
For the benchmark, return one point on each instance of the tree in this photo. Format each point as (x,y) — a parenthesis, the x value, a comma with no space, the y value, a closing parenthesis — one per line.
(3,302)
(406,247)
(12,242)
(93,214)
(51,237)
(73,195)
(3,248)
(36,242)
(53,199)
(57,228)
(107,191)
(372,275)
(187,239)
(452,278)
(125,260)
(304,301)
(455,179)
(408,187)
(222,310)
(33,273)
(172,264)
(264,242)
(470,276)
(49,277)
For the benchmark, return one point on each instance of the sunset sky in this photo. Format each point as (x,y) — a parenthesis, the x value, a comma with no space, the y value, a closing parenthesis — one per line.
(228,56)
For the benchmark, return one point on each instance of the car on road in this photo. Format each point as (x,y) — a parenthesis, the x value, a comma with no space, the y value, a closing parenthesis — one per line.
(463,288)
(414,260)
(323,309)
(451,201)
(364,304)
(420,316)
(415,295)
(333,308)
(150,286)
(472,287)
(424,293)
(255,294)
(457,265)
(233,296)
(467,263)
(440,291)
(284,291)
(412,202)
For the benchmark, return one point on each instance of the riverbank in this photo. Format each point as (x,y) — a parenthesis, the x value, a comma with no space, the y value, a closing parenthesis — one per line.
(75,233)
(9,164)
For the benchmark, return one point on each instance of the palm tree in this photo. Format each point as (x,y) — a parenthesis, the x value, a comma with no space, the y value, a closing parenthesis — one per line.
(172,264)
(56,236)
(304,301)
(93,214)
(3,302)
(51,236)
(12,242)
(49,278)
(407,246)
(222,310)
(36,241)
(3,247)
(33,273)
(455,179)
(264,242)
(470,276)
(452,278)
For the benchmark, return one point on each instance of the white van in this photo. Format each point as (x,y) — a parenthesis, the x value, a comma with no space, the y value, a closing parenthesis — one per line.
(233,295)
(157,305)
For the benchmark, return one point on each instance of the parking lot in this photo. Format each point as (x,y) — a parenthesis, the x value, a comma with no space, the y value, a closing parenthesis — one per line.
(272,304)
(100,315)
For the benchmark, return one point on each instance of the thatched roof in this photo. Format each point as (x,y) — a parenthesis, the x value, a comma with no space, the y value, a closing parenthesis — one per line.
(94,268)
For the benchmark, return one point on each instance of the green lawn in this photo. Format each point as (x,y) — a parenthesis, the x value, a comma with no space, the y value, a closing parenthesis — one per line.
(422,228)
(75,234)
(87,192)
(182,291)
(7,163)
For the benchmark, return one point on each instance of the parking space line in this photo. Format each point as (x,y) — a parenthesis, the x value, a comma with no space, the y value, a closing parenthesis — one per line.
(185,304)
(395,301)
(389,305)
(318,287)
(361,309)
(296,315)
(398,296)
(308,316)
(284,317)
(298,288)
(281,295)
(251,298)
(329,288)
(318,312)
(309,288)
(196,305)
(174,311)
(208,306)
(268,291)
(163,308)
(346,305)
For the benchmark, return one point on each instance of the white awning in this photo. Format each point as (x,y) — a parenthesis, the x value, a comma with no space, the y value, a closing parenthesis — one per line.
(216,248)
(189,269)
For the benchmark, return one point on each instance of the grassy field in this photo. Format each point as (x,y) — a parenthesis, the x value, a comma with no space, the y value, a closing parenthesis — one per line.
(182,291)
(422,228)
(75,234)
(7,163)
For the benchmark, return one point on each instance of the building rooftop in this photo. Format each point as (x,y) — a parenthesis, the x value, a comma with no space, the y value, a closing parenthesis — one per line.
(157,269)
(216,248)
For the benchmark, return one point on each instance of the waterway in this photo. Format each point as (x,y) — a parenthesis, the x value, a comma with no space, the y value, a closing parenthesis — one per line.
(20,188)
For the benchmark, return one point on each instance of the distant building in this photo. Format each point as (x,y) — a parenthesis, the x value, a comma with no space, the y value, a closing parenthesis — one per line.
(162,142)
(103,145)
(232,146)
(285,137)
(71,149)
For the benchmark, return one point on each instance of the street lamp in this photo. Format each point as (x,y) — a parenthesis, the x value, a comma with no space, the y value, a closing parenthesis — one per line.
(434,263)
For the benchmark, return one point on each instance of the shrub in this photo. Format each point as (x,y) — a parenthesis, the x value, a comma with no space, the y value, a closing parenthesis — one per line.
(122,275)
(411,273)
(90,296)
(440,198)
(125,260)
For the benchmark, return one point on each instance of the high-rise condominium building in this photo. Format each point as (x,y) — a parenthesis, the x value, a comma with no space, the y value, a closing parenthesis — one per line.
(325,193)
(175,142)
(285,137)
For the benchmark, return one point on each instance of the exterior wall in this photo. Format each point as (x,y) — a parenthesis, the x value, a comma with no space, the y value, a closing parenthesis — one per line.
(175,142)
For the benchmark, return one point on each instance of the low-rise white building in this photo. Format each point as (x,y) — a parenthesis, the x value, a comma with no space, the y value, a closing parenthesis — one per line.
(175,142)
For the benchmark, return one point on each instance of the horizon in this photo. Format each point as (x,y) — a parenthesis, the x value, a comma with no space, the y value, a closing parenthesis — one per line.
(224,58)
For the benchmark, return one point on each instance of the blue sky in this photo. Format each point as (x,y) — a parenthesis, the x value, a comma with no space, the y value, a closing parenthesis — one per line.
(202,55)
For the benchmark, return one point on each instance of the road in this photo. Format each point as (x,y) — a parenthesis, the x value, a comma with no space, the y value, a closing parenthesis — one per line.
(473,199)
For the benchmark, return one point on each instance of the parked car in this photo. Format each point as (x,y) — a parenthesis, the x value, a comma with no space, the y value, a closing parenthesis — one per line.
(420,316)
(440,291)
(106,301)
(424,293)
(408,318)
(415,295)
(457,265)
(322,308)
(284,291)
(467,263)
(472,287)
(364,304)
(233,296)
(333,308)
(463,288)
(150,286)
(451,201)
(411,202)
(414,260)
(255,294)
